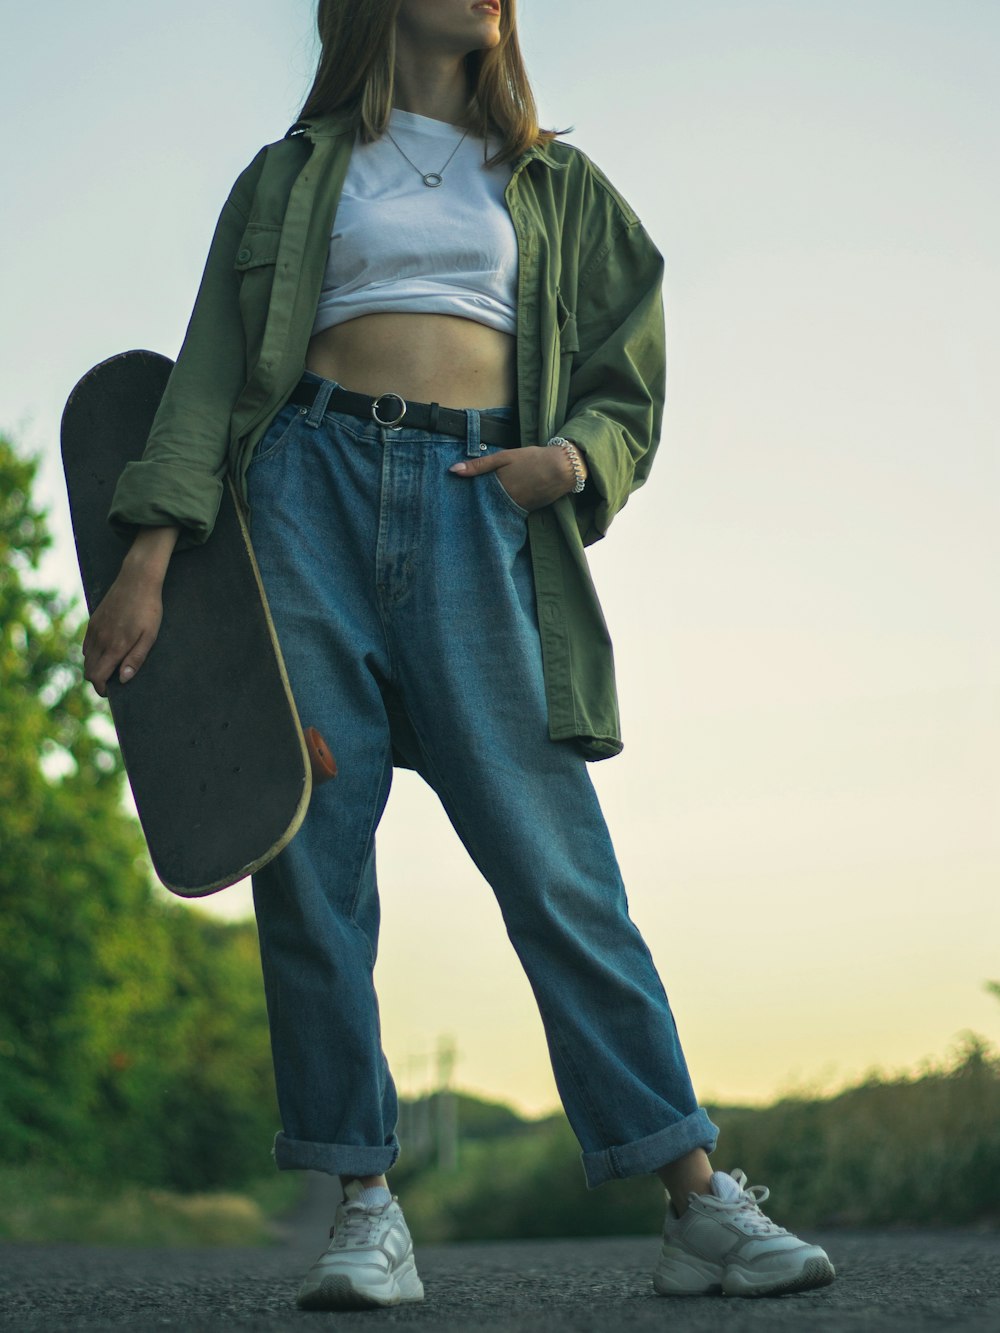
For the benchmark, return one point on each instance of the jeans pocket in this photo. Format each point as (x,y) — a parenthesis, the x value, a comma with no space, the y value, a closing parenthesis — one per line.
(508,498)
(277,434)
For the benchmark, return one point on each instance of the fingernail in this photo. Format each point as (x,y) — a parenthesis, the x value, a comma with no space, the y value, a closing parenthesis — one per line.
(459,467)
(128,673)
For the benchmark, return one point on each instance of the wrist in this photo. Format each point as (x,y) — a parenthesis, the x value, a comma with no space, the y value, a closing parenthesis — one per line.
(574,463)
(150,552)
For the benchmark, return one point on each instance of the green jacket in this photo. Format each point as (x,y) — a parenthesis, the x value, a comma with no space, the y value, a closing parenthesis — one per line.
(590,366)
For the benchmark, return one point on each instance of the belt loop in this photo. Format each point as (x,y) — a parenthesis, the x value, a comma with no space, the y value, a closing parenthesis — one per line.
(473,448)
(320,403)
(432,420)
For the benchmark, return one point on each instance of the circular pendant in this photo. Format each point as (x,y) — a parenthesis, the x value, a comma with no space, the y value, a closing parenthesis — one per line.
(432,180)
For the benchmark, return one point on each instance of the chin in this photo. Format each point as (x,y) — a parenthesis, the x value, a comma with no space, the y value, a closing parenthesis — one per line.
(490,36)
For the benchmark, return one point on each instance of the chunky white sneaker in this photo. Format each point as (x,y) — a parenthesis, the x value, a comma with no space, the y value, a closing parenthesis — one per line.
(369,1262)
(723,1242)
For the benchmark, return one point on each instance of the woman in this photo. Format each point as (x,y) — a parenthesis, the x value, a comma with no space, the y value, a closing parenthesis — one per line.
(429,347)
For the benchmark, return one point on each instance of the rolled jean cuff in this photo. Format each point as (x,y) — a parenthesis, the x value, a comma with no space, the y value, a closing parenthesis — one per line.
(336,1159)
(645,1156)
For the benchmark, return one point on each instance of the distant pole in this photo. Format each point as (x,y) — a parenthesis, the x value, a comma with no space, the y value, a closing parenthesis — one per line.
(423,1137)
(447,1107)
(403,1111)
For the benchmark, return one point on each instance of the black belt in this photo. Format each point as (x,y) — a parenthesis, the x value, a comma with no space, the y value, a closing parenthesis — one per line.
(394,412)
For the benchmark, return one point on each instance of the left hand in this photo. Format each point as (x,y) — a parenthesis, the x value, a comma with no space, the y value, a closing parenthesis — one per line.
(532,476)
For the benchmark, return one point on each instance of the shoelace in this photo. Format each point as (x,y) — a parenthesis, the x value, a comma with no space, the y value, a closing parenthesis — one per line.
(355,1225)
(747,1206)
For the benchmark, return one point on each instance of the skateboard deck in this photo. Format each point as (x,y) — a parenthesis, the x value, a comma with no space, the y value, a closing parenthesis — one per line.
(219,766)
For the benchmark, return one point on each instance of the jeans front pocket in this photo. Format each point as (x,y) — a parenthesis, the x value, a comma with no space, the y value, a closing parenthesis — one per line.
(277,434)
(508,498)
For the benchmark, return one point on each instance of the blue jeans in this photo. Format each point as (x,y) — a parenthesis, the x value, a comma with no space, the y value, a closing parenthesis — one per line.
(404,603)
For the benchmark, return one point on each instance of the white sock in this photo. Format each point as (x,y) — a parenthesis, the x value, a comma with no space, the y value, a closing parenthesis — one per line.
(374,1196)
(723,1186)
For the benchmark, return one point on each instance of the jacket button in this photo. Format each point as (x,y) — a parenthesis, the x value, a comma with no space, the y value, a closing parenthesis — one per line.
(243,256)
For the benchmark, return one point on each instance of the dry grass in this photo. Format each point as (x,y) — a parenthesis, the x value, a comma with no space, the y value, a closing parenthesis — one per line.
(38,1205)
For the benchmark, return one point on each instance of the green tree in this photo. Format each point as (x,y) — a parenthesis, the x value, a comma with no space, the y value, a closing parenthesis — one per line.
(68,854)
(133,1037)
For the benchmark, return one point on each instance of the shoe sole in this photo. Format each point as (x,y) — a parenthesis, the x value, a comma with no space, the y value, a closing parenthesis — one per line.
(338,1292)
(814,1273)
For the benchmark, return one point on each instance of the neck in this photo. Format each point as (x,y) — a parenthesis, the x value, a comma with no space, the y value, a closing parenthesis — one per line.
(430,84)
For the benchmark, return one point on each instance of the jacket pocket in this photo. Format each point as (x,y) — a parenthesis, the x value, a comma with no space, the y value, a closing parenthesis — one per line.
(567,346)
(569,339)
(255,264)
(258,247)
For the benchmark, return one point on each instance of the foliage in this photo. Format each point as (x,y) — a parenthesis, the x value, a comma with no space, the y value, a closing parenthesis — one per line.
(41,1205)
(923,1151)
(482,1119)
(917,1151)
(523,1186)
(133,1038)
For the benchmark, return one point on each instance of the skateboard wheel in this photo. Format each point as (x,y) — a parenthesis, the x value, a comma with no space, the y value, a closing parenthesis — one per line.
(324,766)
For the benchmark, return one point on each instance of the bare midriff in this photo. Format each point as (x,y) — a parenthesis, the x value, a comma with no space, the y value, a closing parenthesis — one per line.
(425,358)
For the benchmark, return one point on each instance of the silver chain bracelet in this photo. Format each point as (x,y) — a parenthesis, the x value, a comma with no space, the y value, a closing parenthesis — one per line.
(574,457)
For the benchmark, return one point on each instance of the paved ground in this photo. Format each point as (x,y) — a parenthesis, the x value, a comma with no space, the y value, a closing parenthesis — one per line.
(911,1281)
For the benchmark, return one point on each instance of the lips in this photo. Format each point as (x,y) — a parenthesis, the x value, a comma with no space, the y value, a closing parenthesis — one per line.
(489,5)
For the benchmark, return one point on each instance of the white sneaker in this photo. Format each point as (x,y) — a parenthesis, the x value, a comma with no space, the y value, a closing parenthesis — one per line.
(723,1242)
(369,1262)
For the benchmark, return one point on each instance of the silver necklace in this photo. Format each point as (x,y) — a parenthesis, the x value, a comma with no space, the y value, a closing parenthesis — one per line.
(432,179)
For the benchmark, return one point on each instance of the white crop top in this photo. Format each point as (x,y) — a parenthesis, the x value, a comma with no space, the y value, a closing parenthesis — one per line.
(398,245)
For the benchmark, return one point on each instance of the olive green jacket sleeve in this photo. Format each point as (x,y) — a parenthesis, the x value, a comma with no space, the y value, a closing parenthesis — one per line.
(618,375)
(180,476)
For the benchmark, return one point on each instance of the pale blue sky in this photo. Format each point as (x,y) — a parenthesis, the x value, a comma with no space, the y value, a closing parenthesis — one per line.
(804,598)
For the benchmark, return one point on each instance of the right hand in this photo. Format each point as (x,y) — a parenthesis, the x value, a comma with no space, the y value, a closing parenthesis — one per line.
(124,626)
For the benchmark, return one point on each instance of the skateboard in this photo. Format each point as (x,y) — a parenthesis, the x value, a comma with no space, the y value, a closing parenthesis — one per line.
(219,765)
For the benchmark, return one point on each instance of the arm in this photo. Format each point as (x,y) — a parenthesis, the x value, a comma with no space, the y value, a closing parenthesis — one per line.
(170,497)
(124,626)
(618,376)
(178,481)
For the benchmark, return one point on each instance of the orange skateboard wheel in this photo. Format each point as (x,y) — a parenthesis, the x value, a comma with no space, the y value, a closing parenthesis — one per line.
(324,766)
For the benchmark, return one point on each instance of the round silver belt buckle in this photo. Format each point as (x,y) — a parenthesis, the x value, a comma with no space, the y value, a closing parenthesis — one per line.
(394,423)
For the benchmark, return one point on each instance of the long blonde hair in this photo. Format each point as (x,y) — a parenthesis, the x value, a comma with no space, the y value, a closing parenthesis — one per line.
(356,70)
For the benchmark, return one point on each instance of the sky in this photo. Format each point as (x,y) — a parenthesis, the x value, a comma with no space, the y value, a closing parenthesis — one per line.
(803,598)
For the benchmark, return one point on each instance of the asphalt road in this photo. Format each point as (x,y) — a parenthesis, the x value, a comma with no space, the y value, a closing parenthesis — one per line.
(913,1280)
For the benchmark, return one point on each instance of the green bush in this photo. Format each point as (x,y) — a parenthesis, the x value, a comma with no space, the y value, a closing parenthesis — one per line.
(923,1151)
(920,1151)
(133,1033)
(41,1205)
